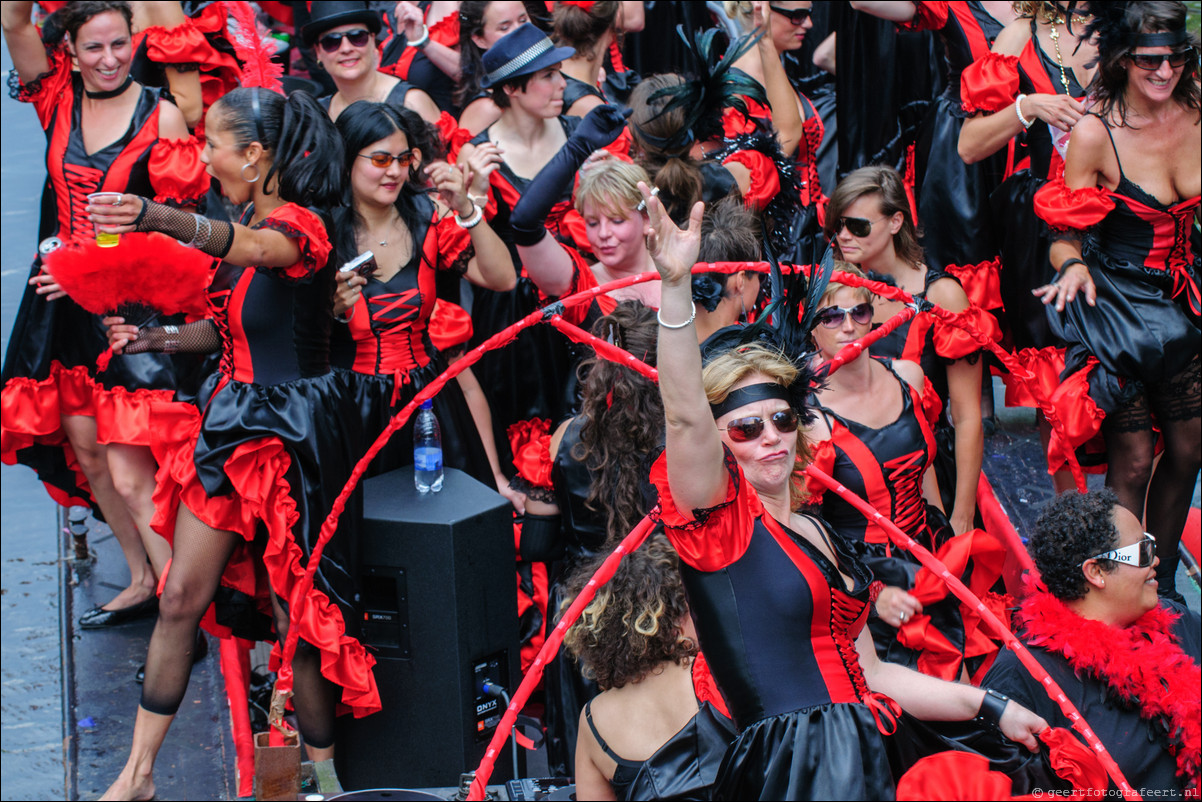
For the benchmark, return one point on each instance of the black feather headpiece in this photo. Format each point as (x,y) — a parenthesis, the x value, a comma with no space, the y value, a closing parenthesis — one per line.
(710,86)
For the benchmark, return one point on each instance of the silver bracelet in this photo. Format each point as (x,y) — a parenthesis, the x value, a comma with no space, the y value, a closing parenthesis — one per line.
(692,317)
(171,340)
(1018,110)
(199,240)
(423,40)
(472,221)
(345,318)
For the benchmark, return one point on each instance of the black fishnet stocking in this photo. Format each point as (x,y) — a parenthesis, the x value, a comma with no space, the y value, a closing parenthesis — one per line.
(199,556)
(314,698)
(1178,408)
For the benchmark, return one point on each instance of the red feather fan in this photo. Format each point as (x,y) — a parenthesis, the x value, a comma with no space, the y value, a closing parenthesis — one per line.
(150,270)
(255,55)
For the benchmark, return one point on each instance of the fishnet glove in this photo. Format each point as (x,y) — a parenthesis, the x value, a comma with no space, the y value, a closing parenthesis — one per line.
(213,237)
(200,337)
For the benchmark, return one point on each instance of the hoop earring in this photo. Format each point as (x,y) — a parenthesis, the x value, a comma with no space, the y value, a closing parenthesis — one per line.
(242,173)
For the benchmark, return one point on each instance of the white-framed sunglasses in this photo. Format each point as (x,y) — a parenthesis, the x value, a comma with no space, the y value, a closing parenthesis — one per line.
(1140,554)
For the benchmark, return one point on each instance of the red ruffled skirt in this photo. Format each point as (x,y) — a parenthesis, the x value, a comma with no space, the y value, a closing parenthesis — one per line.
(267,464)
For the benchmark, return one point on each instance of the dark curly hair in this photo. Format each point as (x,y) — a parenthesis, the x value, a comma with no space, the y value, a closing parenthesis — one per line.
(623,419)
(1115,25)
(1071,529)
(633,623)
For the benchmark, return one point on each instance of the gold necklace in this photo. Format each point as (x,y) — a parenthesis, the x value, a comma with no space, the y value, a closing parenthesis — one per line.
(1055,34)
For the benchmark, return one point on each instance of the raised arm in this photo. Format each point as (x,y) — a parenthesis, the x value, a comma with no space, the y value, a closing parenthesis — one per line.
(892,10)
(24,41)
(694,450)
(786,116)
(492,266)
(184,85)
(233,242)
(412,19)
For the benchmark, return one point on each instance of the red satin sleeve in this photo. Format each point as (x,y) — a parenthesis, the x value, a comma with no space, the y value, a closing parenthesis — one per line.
(928,16)
(455,247)
(530,443)
(704,686)
(709,539)
(1063,208)
(989,84)
(449,326)
(765,182)
(824,460)
(453,137)
(954,342)
(982,282)
(182,45)
(176,171)
(620,147)
(300,224)
(446,31)
(582,279)
(47,90)
(932,404)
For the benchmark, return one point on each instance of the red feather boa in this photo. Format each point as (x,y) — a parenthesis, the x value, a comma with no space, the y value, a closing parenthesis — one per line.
(1142,664)
(149,269)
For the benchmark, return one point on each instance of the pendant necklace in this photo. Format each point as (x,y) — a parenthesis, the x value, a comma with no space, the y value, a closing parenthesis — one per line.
(1055,34)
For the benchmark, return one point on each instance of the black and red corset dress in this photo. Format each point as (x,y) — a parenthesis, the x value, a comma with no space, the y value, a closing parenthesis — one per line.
(50,366)
(778,627)
(265,451)
(386,347)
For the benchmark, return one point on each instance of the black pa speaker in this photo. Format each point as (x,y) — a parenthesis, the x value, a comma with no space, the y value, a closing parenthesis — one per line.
(440,618)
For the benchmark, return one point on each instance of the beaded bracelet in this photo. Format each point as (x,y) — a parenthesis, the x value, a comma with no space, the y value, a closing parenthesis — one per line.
(472,221)
(423,40)
(1018,109)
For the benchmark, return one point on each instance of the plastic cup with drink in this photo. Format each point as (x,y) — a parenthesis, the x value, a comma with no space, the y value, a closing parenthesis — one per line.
(103,238)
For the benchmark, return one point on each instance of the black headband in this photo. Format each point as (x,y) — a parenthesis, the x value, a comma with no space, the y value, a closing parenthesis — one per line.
(254,102)
(681,139)
(1162,39)
(764,391)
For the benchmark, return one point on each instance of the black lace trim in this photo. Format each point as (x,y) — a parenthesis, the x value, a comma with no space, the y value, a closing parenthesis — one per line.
(23,92)
(536,492)
(183,66)
(459,266)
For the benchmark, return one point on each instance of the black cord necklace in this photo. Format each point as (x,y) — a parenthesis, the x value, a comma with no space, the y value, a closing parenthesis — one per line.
(129,79)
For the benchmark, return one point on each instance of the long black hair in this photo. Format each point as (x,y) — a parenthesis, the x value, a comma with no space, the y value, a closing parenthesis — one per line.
(361,124)
(304,145)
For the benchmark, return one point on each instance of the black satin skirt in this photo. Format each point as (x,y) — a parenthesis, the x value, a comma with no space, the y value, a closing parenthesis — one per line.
(376,399)
(1023,244)
(831,751)
(531,377)
(1140,334)
(953,205)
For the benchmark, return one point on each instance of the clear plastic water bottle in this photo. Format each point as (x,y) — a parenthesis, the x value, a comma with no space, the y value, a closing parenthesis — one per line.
(427,450)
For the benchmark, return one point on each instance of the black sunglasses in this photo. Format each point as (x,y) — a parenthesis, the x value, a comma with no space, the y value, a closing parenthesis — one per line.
(858,226)
(796,15)
(743,429)
(382,160)
(1150,63)
(332,41)
(1144,551)
(832,316)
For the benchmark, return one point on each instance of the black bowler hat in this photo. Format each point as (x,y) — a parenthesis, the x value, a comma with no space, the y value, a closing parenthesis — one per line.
(522,51)
(327,14)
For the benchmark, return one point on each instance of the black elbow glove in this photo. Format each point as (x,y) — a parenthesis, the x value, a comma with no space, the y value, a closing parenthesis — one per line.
(599,128)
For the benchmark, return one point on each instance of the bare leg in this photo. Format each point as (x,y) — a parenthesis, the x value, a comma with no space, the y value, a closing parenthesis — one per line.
(314,697)
(133,469)
(93,461)
(201,553)
(1178,412)
(1062,480)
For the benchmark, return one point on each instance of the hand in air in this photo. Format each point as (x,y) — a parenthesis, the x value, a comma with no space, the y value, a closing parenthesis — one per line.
(485,158)
(601,126)
(409,17)
(674,251)
(451,181)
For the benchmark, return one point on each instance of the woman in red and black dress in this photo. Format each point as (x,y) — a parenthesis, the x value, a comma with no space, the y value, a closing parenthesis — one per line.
(1125,299)
(383,333)
(870,223)
(1024,95)
(250,472)
(86,433)
(880,444)
(779,601)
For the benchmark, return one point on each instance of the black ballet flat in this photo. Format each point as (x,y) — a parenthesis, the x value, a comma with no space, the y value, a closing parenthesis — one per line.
(99,618)
(199,653)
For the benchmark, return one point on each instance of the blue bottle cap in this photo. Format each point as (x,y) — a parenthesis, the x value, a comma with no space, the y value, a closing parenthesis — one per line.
(427,404)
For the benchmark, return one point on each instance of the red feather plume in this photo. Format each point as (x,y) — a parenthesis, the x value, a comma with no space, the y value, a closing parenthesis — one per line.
(151,270)
(253,53)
